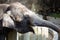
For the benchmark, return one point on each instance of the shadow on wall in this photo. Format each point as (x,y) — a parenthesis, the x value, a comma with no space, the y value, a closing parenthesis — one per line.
(39,34)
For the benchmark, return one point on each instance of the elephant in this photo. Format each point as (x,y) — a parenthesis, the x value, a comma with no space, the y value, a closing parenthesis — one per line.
(24,18)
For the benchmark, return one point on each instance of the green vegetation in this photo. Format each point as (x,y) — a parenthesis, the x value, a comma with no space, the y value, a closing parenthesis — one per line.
(55,15)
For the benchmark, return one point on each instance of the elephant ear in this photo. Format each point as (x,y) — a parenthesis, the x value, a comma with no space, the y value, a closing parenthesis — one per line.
(3,8)
(7,21)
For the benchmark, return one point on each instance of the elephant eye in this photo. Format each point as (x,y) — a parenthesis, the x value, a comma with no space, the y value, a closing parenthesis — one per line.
(18,18)
(7,9)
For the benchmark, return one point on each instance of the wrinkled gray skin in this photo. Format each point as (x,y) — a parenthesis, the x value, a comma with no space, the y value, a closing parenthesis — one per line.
(21,18)
(5,20)
(3,7)
(6,23)
(18,14)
